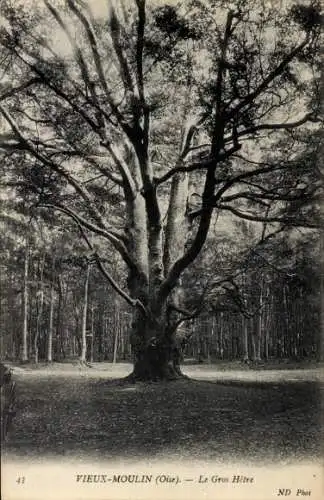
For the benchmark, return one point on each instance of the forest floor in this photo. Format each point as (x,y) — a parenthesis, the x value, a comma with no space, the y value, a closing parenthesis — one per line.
(220,414)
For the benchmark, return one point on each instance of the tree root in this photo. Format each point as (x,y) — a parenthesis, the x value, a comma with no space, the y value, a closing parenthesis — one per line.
(169,375)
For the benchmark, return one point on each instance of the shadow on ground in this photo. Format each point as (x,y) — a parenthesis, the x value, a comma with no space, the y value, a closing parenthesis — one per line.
(83,417)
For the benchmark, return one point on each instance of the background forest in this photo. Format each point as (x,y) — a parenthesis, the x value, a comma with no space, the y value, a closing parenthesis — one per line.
(64,308)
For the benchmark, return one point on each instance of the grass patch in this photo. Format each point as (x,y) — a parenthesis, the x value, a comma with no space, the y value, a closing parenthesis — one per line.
(98,418)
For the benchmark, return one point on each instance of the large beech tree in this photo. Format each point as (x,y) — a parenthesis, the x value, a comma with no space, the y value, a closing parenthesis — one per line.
(141,119)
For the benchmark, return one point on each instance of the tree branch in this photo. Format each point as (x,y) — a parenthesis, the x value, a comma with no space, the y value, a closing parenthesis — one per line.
(189,132)
(78,53)
(129,300)
(114,238)
(60,93)
(128,181)
(273,74)
(98,64)
(241,177)
(140,48)
(88,225)
(139,70)
(221,65)
(97,259)
(209,186)
(285,220)
(270,196)
(274,126)
(115,35)
(23,86)
(200,165)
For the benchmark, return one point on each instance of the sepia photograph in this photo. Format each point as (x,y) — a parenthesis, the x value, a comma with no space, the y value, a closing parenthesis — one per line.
(161,250)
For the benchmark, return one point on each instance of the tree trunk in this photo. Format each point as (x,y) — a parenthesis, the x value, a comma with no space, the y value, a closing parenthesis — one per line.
(287,322)
(258,337)
(40,297)
(11,318)
(253,338)
(221,328)
(83,355)
(60,318)
(92,335)
(24,354)
(267,327)
(245,340)
(116,327)
(50,325)
(320,336)
(156,352)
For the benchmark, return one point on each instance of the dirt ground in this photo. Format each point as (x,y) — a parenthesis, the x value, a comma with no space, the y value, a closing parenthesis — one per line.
(85,413)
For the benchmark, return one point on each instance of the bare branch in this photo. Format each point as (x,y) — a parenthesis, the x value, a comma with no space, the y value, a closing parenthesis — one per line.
(98,261)
(106,172)
(221,65)
(188,135)
(268,195)
(274,126)
(115,238)
(15,90)
(209,186)
(139,70)
(118,245)
(284,220)
(85,223)
(115,35)
(272,76)
(231,182)
(122,166)
(116,287)
(59,92)
(78,53)
(243,176)
(140,48)
(98,63)
(200,165)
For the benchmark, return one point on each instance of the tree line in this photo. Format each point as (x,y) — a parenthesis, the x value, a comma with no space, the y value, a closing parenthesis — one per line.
(57,306)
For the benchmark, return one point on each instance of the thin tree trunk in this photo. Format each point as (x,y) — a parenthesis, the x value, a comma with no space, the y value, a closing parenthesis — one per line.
(122,338)
(50,324)
(212,336)
(221,327)
(246,324)
(253,338)
(258,339)
(40,297)
(11,317)
(245,340)
(267,325)
(115,347)
(320,335)
(24,354)
(92,334)
(59,326)
(83,356)
(286,317)
(116,326)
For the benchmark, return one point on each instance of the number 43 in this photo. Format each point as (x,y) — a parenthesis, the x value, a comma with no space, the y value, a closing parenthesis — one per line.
(20,480)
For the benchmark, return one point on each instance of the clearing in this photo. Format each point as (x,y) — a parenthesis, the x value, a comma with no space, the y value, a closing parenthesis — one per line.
(223,415)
